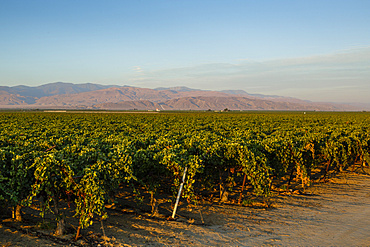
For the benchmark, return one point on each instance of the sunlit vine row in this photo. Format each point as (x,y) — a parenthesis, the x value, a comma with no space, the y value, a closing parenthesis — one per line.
(83,159)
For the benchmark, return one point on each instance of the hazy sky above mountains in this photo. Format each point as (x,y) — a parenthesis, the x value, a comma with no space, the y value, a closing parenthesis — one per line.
(315,50)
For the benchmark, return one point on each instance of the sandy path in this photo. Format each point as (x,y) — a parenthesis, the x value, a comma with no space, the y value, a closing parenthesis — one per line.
(346,215)
(337,215)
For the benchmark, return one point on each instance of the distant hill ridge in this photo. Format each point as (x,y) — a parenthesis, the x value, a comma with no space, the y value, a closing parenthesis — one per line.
(55,88)
(95,96)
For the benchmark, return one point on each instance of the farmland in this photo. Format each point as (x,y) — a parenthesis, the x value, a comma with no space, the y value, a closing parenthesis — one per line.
(55,163)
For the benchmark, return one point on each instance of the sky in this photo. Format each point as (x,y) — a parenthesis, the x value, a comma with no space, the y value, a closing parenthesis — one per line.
(313,50)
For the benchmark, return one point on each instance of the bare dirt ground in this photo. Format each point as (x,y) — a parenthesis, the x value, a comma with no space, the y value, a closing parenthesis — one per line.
(327,214)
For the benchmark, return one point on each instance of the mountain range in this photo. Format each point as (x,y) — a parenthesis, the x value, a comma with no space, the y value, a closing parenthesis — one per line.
(62,95)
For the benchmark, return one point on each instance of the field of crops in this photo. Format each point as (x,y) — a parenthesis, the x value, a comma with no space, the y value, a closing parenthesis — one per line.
(83,159)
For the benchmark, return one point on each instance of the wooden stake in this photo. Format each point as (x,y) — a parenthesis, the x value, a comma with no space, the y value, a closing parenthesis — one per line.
(179,194)
(78,232)
(241,192)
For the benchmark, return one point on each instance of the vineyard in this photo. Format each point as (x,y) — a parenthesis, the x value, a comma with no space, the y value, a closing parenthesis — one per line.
(85,159)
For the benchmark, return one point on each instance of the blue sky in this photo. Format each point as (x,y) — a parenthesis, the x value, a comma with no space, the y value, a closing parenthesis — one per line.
(314,50)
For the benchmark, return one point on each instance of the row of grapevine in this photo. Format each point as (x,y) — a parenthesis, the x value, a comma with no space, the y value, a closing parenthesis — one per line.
(83,159)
